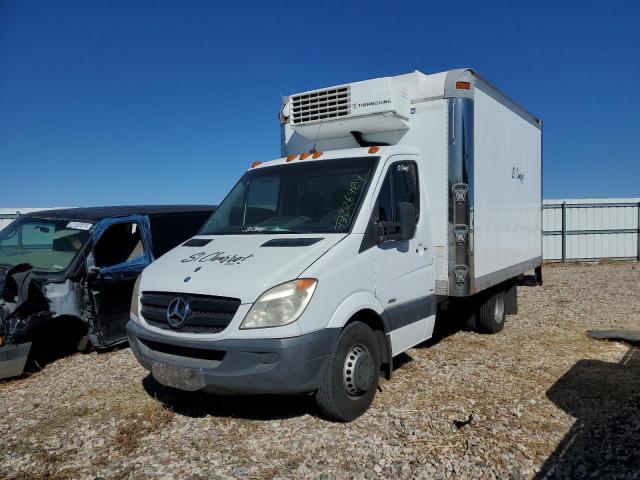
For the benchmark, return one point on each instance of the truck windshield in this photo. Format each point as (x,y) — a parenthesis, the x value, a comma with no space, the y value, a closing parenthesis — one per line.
(300,197)
(47,245)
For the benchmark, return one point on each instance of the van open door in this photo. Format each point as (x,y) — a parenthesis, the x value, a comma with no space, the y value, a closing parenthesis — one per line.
(120,253)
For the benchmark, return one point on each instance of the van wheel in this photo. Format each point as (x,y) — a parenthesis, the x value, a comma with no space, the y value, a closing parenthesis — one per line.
(491,314)
(350,381)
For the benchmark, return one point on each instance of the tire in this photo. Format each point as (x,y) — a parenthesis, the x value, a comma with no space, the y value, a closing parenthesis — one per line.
(491,314)
(350,380)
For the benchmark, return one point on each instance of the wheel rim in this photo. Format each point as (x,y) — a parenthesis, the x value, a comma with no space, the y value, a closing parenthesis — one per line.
(358,371)
(498,309)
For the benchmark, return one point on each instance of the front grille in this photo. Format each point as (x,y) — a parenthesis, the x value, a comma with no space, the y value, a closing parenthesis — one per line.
(205,314)
(320,105)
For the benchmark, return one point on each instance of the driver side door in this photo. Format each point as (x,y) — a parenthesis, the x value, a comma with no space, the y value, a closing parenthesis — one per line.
(120,253)
(404,272)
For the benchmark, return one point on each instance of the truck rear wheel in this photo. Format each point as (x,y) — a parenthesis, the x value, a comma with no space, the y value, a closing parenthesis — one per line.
(491,315)
(351,379)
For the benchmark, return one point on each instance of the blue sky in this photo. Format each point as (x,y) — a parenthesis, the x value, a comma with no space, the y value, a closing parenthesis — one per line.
(121,102)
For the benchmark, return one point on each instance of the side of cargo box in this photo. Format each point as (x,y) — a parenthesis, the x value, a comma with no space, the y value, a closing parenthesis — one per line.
(495,190)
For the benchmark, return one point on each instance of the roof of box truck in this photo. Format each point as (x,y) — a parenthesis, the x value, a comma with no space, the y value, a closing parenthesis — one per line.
(423,87)
(95,214)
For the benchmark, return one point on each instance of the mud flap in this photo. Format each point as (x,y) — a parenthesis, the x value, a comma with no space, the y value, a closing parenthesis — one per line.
(13,359)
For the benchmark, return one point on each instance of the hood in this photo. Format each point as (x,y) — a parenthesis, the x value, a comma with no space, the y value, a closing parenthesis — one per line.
(238,266)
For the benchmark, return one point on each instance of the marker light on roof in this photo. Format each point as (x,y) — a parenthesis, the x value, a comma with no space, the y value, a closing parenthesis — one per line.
(304,155)
(255,164)
(317,154)
(291,158)
(463,85)
(374,149)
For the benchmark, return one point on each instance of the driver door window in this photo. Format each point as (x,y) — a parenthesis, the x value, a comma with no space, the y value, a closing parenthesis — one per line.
(400,185)
(120,243)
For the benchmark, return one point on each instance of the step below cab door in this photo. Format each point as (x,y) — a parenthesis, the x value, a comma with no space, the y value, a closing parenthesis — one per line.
(404,269)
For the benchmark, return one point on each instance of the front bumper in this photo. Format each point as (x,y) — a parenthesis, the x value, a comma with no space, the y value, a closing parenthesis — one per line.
(252,366)
(13,359)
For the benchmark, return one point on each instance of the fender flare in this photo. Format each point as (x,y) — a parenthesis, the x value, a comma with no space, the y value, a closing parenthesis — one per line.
(357,302)
(351,305)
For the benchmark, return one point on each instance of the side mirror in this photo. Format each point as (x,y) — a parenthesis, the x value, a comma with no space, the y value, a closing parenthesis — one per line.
(407,219)
(403,229)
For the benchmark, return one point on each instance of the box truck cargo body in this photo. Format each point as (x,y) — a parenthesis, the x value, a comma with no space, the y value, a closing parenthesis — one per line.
(396,201)
(482,155)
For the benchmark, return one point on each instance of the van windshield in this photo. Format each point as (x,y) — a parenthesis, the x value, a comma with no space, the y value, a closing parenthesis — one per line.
(47,245)
(300,197)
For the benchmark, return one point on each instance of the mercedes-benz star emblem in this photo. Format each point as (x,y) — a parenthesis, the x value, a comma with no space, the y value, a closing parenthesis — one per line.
(177,313)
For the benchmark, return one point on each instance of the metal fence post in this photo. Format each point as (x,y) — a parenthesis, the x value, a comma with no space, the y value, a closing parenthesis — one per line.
(564,231)
(638,235)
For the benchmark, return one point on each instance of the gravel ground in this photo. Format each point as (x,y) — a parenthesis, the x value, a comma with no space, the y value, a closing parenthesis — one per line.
(537,400)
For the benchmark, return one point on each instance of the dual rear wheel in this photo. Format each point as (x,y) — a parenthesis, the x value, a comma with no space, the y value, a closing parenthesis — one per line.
(491,314)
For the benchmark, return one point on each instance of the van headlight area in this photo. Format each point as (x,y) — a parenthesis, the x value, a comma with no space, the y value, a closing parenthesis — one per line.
(280,305)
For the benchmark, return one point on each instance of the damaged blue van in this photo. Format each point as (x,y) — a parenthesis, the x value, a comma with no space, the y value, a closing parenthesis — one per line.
(66,276)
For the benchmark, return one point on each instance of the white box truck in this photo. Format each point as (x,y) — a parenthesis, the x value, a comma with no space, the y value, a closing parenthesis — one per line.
(397,202)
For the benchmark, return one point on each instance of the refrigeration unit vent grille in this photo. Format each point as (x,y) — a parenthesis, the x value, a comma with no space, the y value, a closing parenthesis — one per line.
(320,105)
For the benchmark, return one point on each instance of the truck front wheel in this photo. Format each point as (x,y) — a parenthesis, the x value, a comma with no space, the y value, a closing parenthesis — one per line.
(351,379)
(492,314)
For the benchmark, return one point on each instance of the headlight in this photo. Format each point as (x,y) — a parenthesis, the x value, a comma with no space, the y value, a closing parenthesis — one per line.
(280,305)
(134,297)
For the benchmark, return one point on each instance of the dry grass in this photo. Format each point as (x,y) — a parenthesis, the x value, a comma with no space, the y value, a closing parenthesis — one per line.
(137,425)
